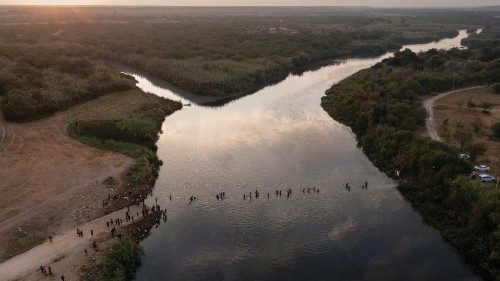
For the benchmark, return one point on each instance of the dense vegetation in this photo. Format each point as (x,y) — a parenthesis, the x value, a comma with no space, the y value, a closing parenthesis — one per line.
(496,130)
(121,261)
(134,136)
(243,53)
(383,107)
(223,51)
(38,80)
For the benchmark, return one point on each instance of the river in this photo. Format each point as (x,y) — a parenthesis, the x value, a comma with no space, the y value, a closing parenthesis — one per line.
(275,139)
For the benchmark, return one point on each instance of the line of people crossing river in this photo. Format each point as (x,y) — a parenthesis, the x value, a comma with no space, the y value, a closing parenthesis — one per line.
(114,225)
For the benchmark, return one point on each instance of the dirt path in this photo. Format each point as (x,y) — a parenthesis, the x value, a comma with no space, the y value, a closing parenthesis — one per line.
(51,183)
(428,104)
(65,254)
(58,32)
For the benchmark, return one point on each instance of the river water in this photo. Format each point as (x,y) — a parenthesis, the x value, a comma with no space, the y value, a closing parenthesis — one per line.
(275,139)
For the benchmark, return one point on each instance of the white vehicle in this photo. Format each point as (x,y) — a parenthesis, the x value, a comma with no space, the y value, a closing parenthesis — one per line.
(482,168)
(464,156)
(486,178)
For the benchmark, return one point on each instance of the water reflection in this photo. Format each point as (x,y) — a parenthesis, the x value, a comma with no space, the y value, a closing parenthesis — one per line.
(280,138)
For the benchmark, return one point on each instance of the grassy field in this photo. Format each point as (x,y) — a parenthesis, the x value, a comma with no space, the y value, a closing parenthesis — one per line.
(464,110)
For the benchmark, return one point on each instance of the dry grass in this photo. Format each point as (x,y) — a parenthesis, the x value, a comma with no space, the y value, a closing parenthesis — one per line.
(454,109)
(53,182)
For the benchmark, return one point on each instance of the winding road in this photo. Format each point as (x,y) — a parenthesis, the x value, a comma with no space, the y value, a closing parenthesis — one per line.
(428,104)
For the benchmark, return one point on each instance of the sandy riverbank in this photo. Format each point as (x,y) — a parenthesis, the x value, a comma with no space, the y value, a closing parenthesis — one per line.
(54,183)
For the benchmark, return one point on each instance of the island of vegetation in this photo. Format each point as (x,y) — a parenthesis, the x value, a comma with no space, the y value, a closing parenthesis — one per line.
(383,107)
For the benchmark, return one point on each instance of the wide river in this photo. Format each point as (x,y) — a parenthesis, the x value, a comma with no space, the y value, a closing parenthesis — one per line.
(275,139)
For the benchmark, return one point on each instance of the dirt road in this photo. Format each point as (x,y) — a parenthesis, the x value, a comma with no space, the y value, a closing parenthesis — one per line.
(65,252)
(428,104)
(51,182)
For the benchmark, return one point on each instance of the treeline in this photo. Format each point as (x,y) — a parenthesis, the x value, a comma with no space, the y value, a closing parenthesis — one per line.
(37,80)
(224,55)
(383,107)
(227,55)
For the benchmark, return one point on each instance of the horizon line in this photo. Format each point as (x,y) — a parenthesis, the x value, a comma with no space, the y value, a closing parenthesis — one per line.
(239,6)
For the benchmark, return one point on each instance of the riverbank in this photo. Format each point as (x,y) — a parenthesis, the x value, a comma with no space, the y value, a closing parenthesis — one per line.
(386,119)
(56,183)
(272,72)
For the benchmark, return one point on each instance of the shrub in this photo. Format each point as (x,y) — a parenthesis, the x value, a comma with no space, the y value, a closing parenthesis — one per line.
(470,104)
(496,130)
(121,261)
(131,129)
(496,88)
(476,150)
(142,172)
(138,128)
(19,106)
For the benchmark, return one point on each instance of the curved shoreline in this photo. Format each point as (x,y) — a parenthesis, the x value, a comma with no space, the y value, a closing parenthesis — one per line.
(34,248)
(147,271)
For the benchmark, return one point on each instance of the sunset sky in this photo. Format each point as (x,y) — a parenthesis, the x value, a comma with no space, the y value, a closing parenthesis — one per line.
(399,3)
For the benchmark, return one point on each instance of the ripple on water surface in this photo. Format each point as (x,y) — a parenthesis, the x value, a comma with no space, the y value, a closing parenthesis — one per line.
(280,138)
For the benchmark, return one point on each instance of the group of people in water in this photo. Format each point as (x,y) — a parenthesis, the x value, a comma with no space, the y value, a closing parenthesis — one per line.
(278,193)
(364,186)
(146,211)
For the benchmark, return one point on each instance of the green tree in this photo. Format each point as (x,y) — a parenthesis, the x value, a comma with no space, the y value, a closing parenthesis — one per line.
(476,150)
(486,107)
(121,261)
(470,104)
(446,131)
(496,130)
(19,106)
(496,88)
(463,137)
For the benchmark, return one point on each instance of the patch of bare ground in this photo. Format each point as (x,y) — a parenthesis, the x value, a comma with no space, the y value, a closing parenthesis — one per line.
(51,183)
(453,110)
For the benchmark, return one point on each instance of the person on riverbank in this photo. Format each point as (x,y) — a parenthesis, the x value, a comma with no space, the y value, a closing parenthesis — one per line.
(50,239)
